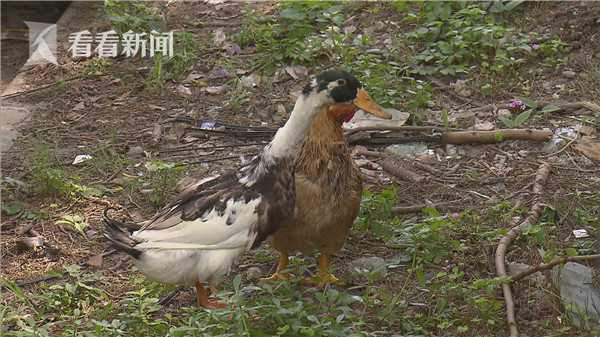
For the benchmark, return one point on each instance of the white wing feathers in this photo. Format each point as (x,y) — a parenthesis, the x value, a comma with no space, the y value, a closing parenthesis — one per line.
(229,230)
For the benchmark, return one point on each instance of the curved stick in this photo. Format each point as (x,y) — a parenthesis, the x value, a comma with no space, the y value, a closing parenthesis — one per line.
(532,217)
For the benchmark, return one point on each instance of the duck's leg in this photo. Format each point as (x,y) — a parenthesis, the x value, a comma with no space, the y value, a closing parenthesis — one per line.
(279,275)
(324,277)
(202,294)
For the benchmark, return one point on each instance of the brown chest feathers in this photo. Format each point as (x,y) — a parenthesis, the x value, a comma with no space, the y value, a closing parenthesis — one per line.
(325,158)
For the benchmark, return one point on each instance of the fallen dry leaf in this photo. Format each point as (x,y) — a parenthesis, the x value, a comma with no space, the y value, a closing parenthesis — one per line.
(590,147)
(95,261)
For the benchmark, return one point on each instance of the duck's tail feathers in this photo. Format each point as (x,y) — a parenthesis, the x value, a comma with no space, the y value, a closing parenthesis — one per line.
(119,236)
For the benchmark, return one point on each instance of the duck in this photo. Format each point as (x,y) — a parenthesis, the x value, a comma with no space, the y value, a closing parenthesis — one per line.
(195,239)
(328,192)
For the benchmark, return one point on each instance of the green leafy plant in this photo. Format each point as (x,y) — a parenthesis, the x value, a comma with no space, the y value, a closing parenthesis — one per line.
(47,177)
(518,121)
(75,221)
(185,54)
(160,181)
(131,16)
(96,67)
(456,42)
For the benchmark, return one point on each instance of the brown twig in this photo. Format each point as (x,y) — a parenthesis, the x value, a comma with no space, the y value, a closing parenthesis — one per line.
(532,217)
(393,128)
(554,262)
(448,205)
(27,92)
(495,136)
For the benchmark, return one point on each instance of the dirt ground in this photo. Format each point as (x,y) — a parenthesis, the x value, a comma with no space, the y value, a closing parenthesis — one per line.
(111,115)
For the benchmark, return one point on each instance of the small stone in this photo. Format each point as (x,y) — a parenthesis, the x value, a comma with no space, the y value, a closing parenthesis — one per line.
(297,72)
(376,51)
(372,264)
(281,109)
(484,125)
(253,273)
(218,73)
(79,106)
(569,74)
(193,76)
(183,90)
(349,29)
(250,81)
(219,37)
(232,48)
(407,150)
(215,90)
(504,113)
(135,151)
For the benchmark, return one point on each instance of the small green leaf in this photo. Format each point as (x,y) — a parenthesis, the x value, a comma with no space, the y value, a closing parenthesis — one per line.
(506,121)
(529,102)
(571,251)
(550,108)
(499,136)
(522,117)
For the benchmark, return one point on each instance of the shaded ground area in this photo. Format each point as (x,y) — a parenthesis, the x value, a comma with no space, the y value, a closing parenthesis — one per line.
(423,273)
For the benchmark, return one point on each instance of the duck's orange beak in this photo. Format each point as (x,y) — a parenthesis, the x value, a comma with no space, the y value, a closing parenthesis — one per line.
(366,103)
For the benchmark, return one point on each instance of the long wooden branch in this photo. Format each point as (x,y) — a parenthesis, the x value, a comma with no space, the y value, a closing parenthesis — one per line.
(532,217)
(495,136)
(554,262)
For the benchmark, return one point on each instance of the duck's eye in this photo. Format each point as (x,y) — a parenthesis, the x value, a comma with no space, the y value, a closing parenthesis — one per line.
(341,82)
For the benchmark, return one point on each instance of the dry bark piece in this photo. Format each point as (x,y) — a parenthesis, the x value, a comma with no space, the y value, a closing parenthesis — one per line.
(31,242)
(590,147)
(395,167)
(495,136)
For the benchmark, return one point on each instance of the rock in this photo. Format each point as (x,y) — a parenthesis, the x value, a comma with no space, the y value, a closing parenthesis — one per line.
(183,90)
(569,74)
(465,120)
(504,113)
(81,158)
(515,268)
(219,37)
(215,90)
(218,73)
(193,76)
(250,81)
(281,109)
(484,125)
(407,150)
(349,29)
(79,106)
(578,294)
(297,72)
(372,264)
(253,273)
(460,87)
(135,151)
(232,48)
